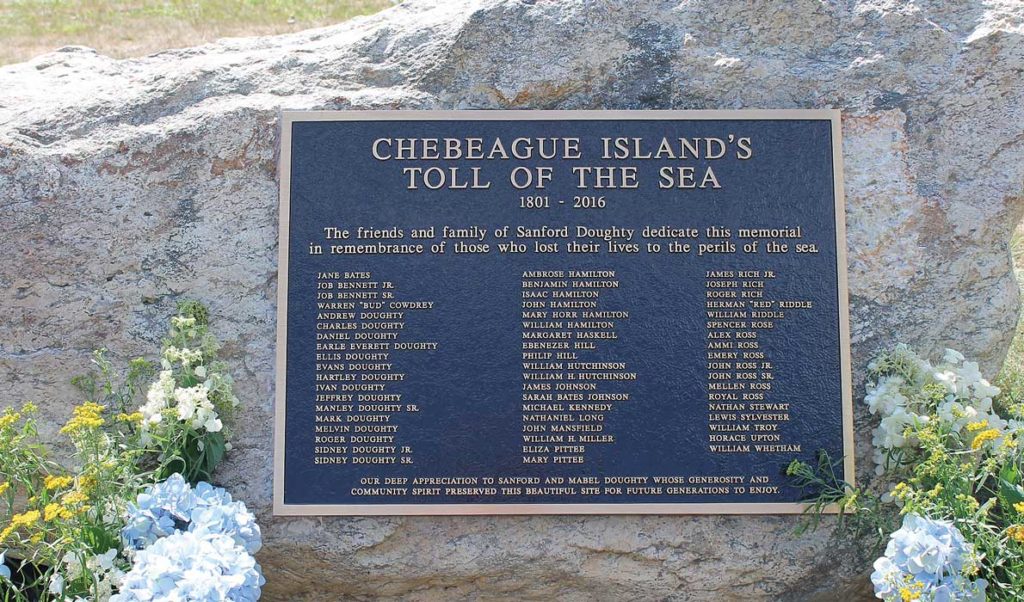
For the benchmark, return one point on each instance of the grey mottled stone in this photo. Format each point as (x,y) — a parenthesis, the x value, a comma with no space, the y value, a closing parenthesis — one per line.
(127,184)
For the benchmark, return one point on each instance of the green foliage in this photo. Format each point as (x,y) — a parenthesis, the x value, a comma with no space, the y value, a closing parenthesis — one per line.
(191,308)
(1011,376)
(861,516)
(103,385)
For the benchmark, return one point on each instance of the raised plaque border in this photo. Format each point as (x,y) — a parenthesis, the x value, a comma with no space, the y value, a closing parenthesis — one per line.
(289,117)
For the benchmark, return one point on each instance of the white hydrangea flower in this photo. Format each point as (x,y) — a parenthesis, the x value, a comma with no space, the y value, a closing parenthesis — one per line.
(110,512)
(187,400)
(194,407)
(967,400)
(985,390)
(879,459)
(957,414)
(952,356)
(884,396)
(191,405)
(948,378)
(890,432)
(56,586)
(73,566)
(106,576)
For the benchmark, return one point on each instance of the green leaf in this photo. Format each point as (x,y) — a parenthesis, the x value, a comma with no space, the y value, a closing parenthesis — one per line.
(1011,494)
(1010,473)
(214,450)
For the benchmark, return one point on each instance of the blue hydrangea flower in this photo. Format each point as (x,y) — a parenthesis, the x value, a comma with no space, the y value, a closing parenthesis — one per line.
(208,495)
(160,510)
(232,519)
(5,571)
(930,559)
(200,567)
(191,544)
(174,506)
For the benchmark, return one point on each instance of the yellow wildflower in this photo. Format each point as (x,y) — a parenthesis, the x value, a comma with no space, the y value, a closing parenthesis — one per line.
(9,418)
(84,417)
(1019,507)
(52,482)
(133,417)
(911,592)
(1016,533)
(74,498)
(29,408)
(86,483)
(37,538)
(51,511)
(24,519)
(901,490)
(984,437)
(4,487)
(969,501)
(977,426)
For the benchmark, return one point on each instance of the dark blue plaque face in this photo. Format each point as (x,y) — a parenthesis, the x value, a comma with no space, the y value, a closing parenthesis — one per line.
(558,312)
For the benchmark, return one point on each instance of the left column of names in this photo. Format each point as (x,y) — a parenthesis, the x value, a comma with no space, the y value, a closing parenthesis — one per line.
(361,388)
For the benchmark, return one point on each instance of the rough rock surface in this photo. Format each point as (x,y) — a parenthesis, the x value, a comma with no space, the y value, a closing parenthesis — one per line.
(127,184)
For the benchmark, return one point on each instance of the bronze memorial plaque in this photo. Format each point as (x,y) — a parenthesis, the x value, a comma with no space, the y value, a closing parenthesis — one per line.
(539,312)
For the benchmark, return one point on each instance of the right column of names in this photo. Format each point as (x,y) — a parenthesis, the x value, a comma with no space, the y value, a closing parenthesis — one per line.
(745,413)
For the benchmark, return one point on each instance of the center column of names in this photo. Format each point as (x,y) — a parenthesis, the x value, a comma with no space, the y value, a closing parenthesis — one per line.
(572,380)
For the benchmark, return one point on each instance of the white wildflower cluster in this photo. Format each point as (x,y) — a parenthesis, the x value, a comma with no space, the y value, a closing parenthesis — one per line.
(186,357)
(186,390)
(195,408)
(191,405)
(908,391)
(158,399)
